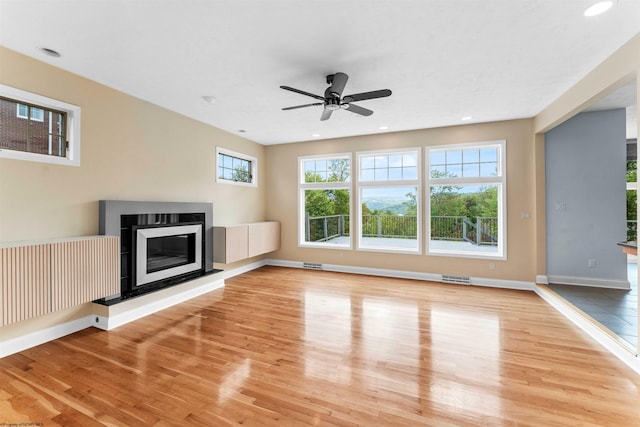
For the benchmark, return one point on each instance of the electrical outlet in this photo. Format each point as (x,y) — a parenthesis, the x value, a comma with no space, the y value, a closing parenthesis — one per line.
(591,263)
(492,266)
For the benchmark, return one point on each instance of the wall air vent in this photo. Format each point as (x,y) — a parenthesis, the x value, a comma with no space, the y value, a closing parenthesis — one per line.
(312,266)
(461,280)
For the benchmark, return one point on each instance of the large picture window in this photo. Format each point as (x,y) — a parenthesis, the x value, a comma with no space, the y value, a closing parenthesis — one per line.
(467,199)
(389,191)
(325,201)
(39,129)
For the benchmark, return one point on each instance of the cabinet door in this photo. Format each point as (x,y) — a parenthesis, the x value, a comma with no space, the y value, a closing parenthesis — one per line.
(230,243)
(24,283)
(264,237)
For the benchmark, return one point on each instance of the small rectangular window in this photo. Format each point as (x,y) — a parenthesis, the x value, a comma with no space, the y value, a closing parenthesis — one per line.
(236,168)
(36,128)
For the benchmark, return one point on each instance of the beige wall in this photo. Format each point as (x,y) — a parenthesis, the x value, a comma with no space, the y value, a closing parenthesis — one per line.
(131,150)
(282,204)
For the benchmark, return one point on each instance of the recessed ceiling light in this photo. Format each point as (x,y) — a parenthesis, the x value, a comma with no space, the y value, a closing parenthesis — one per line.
(383,127)
(50,52)
(465,118)
(600,7)
(315,135)
(210,99)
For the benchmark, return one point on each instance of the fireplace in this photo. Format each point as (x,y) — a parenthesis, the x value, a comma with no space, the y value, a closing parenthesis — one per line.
(162,244)
(163,252)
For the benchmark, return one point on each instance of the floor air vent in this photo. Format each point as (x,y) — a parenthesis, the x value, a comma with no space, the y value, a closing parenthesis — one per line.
(462,280)
(312,266)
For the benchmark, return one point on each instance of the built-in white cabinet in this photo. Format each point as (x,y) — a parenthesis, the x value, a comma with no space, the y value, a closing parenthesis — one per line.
(233,243)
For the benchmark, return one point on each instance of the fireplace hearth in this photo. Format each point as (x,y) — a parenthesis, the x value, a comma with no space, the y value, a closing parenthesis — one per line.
(162,243)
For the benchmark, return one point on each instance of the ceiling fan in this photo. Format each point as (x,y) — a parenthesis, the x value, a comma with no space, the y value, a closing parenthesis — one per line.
(333,99)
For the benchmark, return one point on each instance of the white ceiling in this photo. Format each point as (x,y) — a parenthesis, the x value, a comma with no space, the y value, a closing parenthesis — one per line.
(443,59)
(625,97)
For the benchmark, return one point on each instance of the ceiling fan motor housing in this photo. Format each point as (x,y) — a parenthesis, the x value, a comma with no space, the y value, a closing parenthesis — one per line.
(332,103)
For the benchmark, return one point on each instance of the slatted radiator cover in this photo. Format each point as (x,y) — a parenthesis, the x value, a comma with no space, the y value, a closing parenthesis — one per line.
(36,279)
(24,282)
(83,271)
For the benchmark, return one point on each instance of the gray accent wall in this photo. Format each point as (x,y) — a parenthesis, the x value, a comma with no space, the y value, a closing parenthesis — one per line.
(585,161)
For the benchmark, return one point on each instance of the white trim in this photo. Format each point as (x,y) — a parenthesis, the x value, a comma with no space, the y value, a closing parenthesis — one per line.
(73,128)
(226,274)
(542,279)
(614,346)
(35,338)
(502,284)
(230,153)
(402,274)
(589,281)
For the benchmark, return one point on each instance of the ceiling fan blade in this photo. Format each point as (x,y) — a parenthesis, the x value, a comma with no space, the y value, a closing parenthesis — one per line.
(326,114)
(339,82)
(303,106)
(367,95)
(301,92)
(358,110)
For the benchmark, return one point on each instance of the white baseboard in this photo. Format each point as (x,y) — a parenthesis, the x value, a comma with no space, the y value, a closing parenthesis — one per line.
(433,277)
(614,346)
(33,339)
(503,284)
(588,281)
(243,269)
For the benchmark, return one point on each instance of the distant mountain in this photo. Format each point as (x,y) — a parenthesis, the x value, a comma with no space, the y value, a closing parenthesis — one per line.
(392,204)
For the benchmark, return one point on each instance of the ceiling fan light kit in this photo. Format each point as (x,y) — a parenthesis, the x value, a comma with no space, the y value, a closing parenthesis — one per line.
(333,99)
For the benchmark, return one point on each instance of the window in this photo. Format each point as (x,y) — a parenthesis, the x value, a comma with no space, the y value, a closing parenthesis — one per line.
(389,193)
(324,213)
(26,111)
(467,199)
(39,129)
(236,168)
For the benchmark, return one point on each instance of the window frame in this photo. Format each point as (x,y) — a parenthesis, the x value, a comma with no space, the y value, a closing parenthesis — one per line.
(338,185)
(72,128)
(253,161)
(500,181)
(398,183)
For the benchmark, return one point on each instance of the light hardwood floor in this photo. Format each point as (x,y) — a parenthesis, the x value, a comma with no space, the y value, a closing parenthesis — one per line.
(280,346)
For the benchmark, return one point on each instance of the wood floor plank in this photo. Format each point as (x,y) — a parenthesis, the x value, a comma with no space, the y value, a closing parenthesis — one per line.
(291,347)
